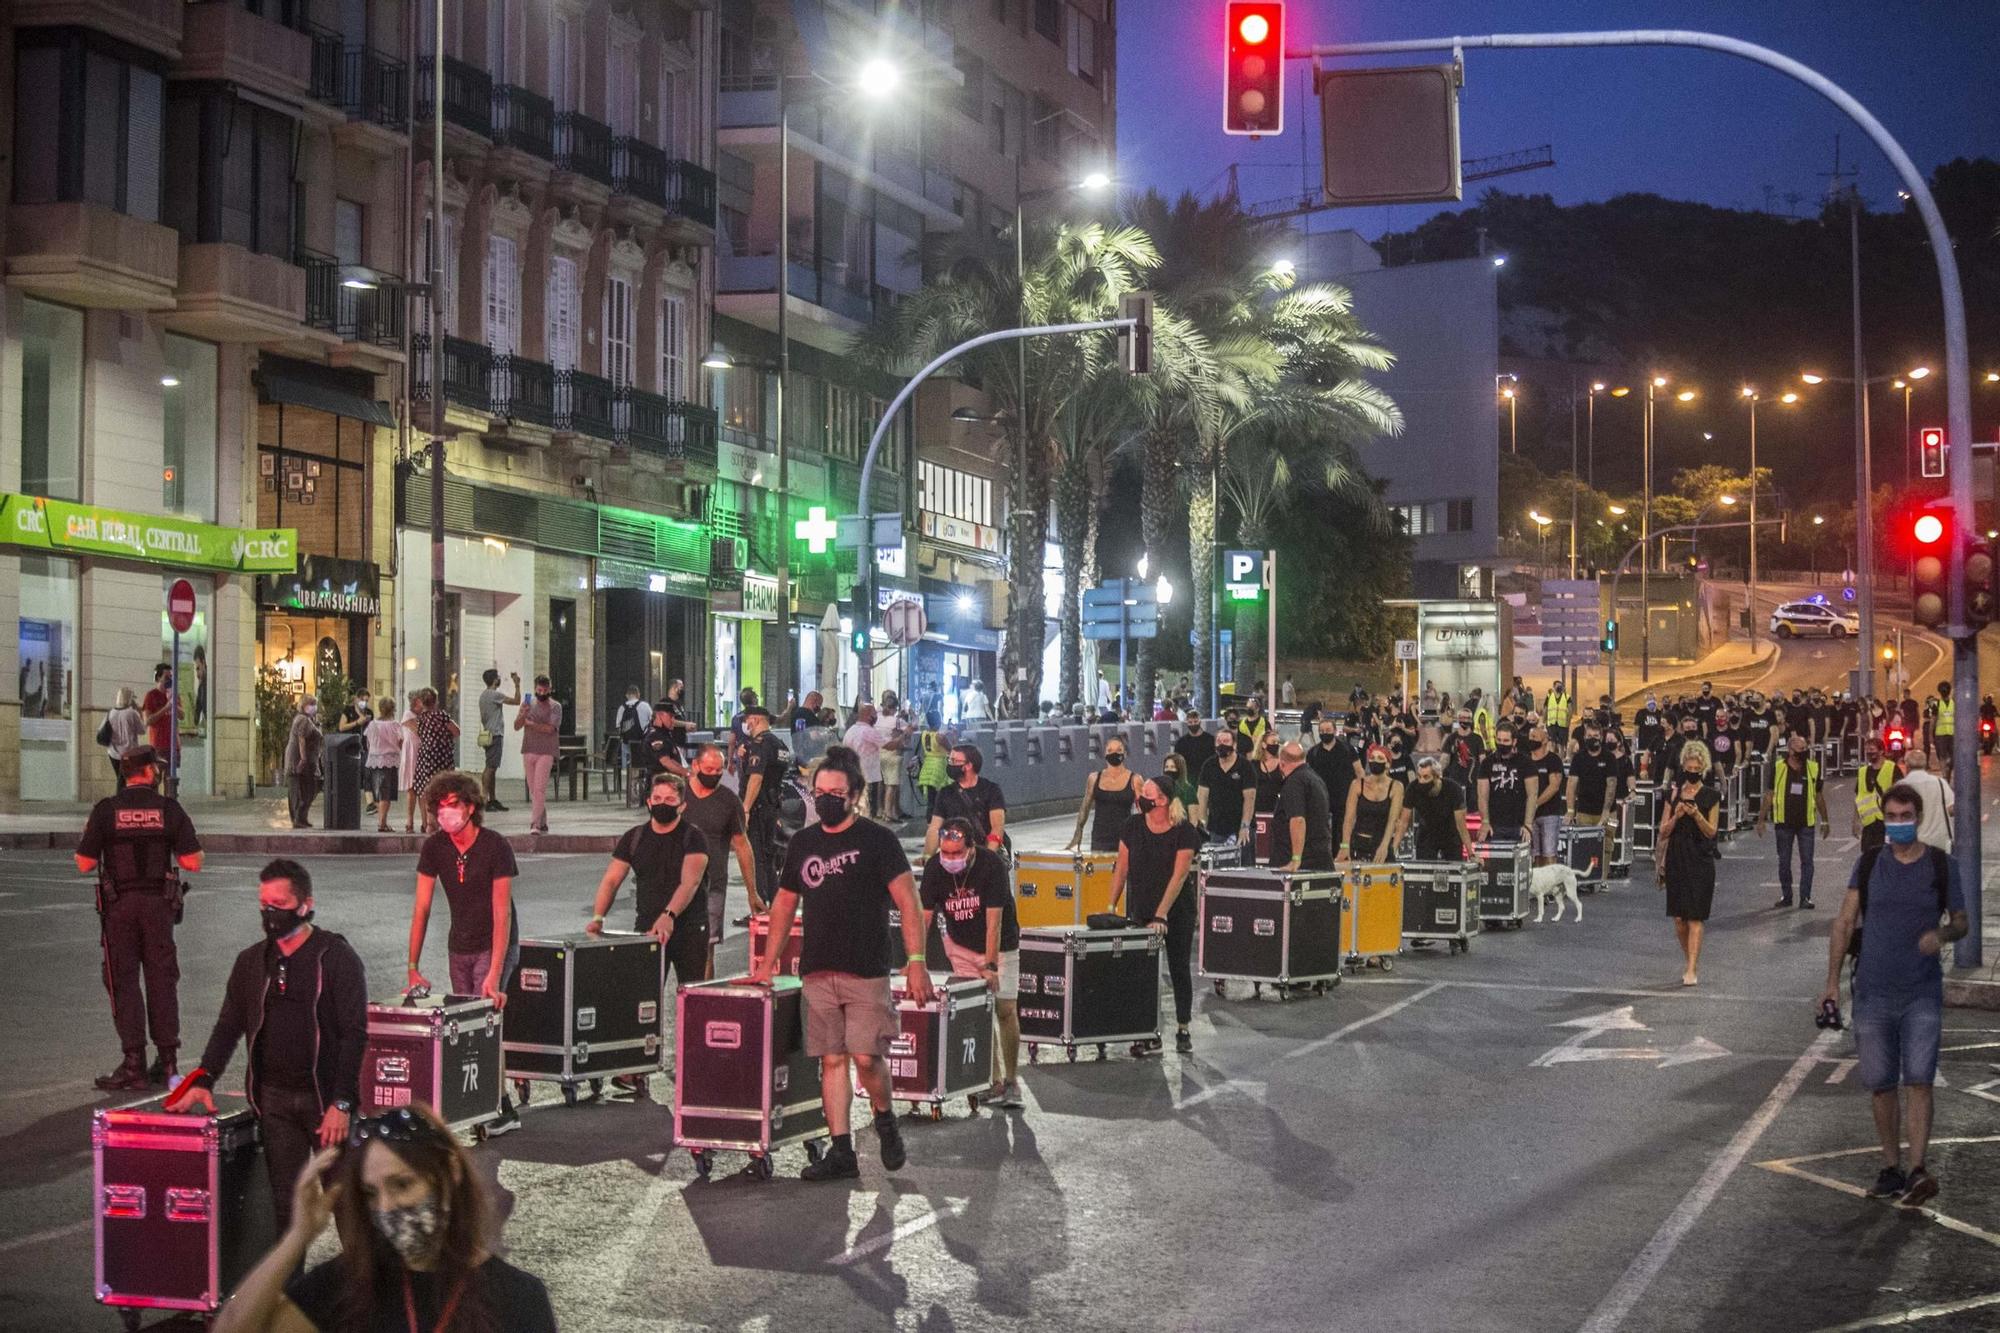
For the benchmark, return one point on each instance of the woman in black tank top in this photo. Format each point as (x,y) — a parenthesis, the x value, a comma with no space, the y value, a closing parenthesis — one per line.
(1109,792)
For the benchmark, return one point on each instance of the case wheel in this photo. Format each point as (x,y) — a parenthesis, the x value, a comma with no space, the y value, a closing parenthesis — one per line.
(521,1089)
(759,1168)
(703,1163)
(129,1318)
(479,1133)
(569,1094)
(1222,988)
(1070,1051)
(937,1112)
(1388,964)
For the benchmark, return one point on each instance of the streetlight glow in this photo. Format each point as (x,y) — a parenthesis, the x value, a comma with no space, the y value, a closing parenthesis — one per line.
(1165,590)
(1597,387)
(1921,372)
(1284,268)
(1726,499)
(1499,261)
(1810,378)
(1096,180)
(1685,395)
(1819,520)
(1617,511)
(878,78)
(1144,560)
(1747,392)
(718,358)
(1541,520)
(1620,391)
(1659,381)
(1789,398)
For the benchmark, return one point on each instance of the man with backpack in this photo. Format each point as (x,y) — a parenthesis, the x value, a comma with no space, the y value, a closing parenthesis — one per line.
(1899,893)
(629,725)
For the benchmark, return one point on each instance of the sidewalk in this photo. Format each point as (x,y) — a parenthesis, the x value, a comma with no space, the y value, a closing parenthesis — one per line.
(1734,656)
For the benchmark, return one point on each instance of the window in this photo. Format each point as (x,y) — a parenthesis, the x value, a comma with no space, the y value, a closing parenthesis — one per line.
(312,475)
(1458,516)
(971,94)
(503,54)
(622,86)
(565,61)
(503,296)
(347,246)
(87,127)
(743,406)
(244,159)
(448,298)
(954,494)
(1411,520)
(187,472)
(51,400)
(1083,46)
(673,347)
(620,328)
(673,117)
(562,311)
(1048,125)
(1048,19)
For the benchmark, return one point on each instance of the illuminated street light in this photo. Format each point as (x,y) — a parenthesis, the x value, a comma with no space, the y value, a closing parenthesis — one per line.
(1284,268)
(879,78)
(1788,398)
(1165,590)
(1726,499)
(1685,395)
(1616,511)
(1921,372)
(1096,180)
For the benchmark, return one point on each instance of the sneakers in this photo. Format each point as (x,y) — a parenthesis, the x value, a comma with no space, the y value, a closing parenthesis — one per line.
(1889,1184)
(635,1086)
(509,1121)
(889,1136)
(1184,1042)
(1010,1095)
(1805,904)
(495,805)
(130,1076)
(1785,901)
(837,1163)
(1922,1187)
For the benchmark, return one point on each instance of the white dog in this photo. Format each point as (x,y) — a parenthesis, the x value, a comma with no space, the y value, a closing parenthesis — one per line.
(1557,882)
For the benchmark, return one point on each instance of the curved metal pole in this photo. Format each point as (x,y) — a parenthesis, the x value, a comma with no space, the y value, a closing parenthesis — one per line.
(1957,371)
(865,557)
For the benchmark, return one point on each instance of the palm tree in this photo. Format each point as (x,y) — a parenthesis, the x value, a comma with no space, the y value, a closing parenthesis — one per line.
(1098,415)
(1074,273)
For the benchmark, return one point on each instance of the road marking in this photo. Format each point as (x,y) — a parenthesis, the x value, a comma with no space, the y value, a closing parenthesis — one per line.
(1613,1309)
(1387,1011)
(1904,1317)
(902,1231)
(1970,1046)
(1574,1049)
(43,1237)
(1841,1069)
(1214,1090)
(1789,1166)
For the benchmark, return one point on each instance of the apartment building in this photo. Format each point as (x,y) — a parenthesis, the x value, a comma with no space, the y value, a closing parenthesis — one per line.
(199,343)
(999,100)
(573,313)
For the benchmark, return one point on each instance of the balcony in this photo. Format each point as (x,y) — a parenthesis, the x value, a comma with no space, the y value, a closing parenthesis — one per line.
(524,391)
(85,254)
(328,66)
(691,193)
(669,428)
(524,120)
(586,405)
(374,88)
(639,170)
(226,43)
(372,315)
(230,293)
(468,372)
(468,96)
(583,147)
(153,25)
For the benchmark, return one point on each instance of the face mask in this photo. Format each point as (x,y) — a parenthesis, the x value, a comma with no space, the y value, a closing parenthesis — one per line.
(1225,751)
(1115,758)
(312,706)
(1902,831)
(1593,745)
(707,781)
(1691,775)
(955,864)
(831,807)
(411,1232)
(663,814)
(282,921)
(954,771)
(1327,738)
(1270,749)
(1378,767)
(1194,728)
(1147,805)
(451,818)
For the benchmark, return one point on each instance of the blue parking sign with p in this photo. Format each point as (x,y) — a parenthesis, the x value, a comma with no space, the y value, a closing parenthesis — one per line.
(1243,574)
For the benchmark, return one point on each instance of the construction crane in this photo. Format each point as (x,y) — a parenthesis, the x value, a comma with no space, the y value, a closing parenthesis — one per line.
(1470,169)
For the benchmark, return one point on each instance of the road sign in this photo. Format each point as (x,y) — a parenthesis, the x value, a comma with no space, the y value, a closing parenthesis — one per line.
(888,531)
(1244,576)
(904,623)
(1572,625)
(180,606)
(1406,650)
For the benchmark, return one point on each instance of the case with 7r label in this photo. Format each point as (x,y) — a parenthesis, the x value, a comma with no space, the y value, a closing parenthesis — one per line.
(441,1051)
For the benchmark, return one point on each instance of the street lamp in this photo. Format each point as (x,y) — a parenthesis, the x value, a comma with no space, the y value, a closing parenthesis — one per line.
(1542,522)
(1283,268)
(1507,392)
(1908,384)
(1751,396)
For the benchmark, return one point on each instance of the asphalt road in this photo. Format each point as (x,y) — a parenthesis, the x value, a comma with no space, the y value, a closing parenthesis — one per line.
(1432,1148)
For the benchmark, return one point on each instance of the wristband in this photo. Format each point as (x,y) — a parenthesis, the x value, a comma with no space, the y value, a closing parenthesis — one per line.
(598,918)
(1158,920)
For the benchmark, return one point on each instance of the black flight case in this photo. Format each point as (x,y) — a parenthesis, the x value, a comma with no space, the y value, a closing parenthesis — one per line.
(1270,927)
(1441,902)
(1083,987)
(586,1007)
(442,1051)
(742,1079)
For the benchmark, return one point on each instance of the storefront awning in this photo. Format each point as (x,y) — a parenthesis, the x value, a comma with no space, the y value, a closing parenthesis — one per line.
(281,386)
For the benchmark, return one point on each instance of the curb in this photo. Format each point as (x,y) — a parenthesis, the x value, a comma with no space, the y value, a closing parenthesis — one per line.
(1971,993)
(1763,659)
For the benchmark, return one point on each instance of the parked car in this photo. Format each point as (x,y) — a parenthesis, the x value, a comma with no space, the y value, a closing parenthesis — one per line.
(1800,619)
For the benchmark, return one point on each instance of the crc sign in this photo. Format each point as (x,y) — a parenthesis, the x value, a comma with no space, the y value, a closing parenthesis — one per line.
(1244,575)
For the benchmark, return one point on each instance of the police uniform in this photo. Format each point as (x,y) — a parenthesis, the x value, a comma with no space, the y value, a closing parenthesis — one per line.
(137,838)
(765,757)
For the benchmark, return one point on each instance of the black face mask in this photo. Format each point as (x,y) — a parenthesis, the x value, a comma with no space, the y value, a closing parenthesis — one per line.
(1327,738)
(1194,728)
(666,816)
(1147,805)
(1116,758)
(1593,745)
(282,921)
(954,771)
(831,807)
(708,782)
(1378,767)
(1225,752)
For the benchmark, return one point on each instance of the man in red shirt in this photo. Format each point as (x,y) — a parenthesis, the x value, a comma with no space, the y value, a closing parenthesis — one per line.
(159,707)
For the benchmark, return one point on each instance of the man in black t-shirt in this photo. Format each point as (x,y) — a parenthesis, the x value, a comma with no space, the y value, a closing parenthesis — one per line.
(848,871)
(1221,805)
(1705,708)
(1302,833)
(475,868)
(668,858)
(968,888)
(762,771)
(1194,745)
(716,811)
(1434,806)
(977,800)
(1334,760)
(1504,777)
(1546,768)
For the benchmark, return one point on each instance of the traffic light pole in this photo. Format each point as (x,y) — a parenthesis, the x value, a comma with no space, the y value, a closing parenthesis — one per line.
(1957,373)
(865,557)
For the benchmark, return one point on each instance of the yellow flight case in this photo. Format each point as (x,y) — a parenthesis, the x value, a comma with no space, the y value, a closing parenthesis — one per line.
(1062,888)
(1371,922)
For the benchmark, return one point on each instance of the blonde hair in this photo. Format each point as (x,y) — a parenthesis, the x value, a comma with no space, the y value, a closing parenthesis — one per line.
(1175,810)
(123,699)
(1700,750)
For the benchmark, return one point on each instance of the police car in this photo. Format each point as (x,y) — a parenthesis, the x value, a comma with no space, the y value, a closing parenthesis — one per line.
(1799,619)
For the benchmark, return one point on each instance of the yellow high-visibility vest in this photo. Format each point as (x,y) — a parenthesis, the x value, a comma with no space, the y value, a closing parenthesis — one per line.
(1779,772)
(1482,722)
(1946,713)
(1556,710)
(1867,799)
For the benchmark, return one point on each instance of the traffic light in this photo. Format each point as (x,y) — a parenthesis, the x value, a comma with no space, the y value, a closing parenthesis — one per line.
(1930,452)
(1135,344)
(862,606)
(1610,641)
(1930,566)
(1982,597)
(1253,99)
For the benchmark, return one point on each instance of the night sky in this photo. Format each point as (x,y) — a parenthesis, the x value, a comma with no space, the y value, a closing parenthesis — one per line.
(1684,124)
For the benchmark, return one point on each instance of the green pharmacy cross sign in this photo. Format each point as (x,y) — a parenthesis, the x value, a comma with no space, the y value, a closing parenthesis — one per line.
(816,530)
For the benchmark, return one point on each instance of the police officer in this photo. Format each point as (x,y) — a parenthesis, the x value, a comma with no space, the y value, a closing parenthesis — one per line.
(763,762)
(137,843)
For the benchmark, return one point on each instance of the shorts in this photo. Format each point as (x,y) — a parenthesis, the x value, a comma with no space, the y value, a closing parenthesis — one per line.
(1898,1041)
(494,751)
(966,963)
(380,783)
(849,1015)
(1545,831)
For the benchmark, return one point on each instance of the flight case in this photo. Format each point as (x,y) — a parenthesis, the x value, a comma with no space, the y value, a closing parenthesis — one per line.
(1503,893)
(1270,926)
(585,1007)
(742,1079)
(760,934)
(1581,848)
(1441,902)
(442,1051)
(1371,917)
(181,1206)
(945,1049)
(1062,888)
(1082,987)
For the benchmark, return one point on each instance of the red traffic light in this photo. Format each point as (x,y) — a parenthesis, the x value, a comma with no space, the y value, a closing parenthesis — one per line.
(1253,95)
(1930,452)
(1930,565)
(1928,529)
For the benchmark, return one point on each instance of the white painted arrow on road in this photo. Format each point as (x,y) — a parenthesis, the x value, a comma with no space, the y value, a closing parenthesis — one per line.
(1621,1019)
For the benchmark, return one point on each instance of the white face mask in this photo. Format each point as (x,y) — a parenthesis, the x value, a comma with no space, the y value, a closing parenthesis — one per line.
(312,706)
(451,818)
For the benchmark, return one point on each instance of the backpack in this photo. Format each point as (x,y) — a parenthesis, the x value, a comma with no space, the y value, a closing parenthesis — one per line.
(628,722)
(1940,878)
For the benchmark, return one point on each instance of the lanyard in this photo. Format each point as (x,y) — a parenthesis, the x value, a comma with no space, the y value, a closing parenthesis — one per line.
(444,1315)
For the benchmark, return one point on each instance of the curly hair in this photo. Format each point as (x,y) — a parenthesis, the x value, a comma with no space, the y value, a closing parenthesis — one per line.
(463,786)
(1699,749)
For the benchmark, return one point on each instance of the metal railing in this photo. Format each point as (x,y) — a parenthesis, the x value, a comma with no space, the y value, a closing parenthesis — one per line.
(583,146)
(638,169)
(524,390)
(372,314)
(524,120)
(468,96)
(691,192)
(322,287)
(586,404)
(468,370)
(323,85)
(668,427)
(373,87)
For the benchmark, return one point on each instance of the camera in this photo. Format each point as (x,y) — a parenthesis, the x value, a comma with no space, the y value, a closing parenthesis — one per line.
(1829,1017)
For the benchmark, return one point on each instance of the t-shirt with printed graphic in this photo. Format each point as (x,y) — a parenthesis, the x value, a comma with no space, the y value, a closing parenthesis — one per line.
(1505,773)
(962,901)
(842,880)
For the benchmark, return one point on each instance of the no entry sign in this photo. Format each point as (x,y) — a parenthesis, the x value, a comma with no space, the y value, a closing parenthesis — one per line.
(180,606)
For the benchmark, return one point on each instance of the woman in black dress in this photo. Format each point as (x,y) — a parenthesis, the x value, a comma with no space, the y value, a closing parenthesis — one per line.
(1108,793)
(1269,778)
(437,745)
(1686,864)
(1156,865)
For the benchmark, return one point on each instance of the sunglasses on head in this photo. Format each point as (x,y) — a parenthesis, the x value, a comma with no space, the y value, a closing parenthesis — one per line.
(401,1125)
